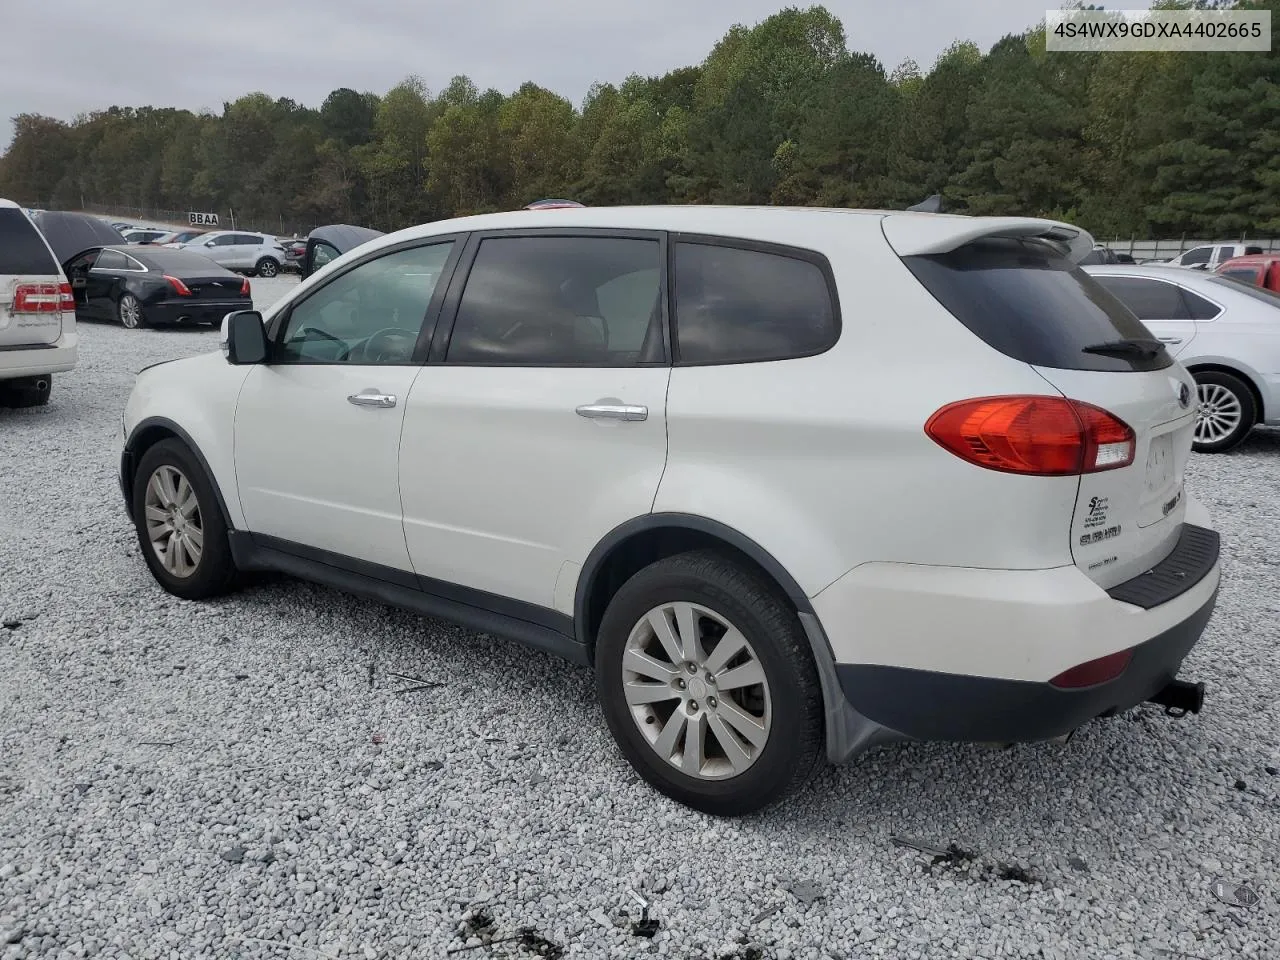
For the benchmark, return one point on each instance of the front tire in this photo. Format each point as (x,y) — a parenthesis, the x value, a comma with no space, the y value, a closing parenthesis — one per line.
(181,531)
(1226,414)
(267,267)
(708,685)
(129,311)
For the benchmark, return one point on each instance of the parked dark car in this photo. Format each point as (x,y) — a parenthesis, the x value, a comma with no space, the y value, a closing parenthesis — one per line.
(139,286)
(330,242)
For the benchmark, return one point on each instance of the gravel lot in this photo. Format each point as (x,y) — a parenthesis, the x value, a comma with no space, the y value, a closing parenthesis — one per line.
(249,778)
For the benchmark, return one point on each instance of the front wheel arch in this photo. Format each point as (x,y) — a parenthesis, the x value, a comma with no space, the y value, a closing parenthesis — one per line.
(1258,405)
(145,435)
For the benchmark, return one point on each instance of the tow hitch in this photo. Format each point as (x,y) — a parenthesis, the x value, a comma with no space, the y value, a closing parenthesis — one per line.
(1180,698)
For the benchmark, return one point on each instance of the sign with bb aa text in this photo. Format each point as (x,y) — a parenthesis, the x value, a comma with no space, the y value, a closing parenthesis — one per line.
(203,219)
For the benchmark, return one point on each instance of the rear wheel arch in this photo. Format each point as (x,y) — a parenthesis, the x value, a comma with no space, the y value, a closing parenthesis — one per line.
(1261,412)
(146,434)
(634,545)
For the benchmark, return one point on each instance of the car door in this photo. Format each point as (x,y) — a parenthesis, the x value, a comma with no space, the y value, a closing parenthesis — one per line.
(248,248)
(540,425)
(1160,304)
(317,428)
(102,284)
(219,248)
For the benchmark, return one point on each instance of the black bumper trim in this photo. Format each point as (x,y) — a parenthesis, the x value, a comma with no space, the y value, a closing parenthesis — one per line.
(925,705)
(1192,558)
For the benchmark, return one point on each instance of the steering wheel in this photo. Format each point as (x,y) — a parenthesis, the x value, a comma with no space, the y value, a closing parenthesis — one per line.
(325,335)
(390,345)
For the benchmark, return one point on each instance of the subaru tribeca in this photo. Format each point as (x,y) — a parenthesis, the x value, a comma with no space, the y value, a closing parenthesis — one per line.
(794,482)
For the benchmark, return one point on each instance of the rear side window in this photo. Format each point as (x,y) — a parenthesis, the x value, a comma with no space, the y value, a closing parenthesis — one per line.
(111,260)
(561,301)
(22,249)
(1148,299)
(738,305)
(1034,305)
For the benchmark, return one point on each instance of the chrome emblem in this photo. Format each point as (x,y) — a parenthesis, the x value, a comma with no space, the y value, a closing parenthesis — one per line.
(1184,395)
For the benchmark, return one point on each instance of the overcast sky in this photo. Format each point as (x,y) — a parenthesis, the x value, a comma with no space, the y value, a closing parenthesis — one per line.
(63,58)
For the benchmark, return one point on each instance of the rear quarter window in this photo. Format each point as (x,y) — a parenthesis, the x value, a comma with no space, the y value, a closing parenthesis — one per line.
(738,304)
(1032,304)
(22,249)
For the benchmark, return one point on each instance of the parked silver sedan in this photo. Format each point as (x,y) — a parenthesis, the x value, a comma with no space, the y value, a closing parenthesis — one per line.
(1226,333)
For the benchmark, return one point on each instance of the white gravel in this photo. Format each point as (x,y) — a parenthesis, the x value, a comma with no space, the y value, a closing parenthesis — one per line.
(202,780)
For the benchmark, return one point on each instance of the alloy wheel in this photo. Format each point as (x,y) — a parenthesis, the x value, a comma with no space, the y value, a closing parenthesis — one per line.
(1218,415)
(697,691)
(173,519)
(130,311)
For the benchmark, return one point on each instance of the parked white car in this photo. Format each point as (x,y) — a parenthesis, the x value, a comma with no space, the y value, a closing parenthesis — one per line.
(1226,333)
(793,481)
(254,253)
(1209,256)
(38,335)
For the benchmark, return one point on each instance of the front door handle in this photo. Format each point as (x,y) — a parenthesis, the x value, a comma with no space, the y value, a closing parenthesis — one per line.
(613,411)
(372,398)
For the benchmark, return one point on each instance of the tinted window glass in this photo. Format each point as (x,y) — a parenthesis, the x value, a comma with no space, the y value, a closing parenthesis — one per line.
(1251,251)
(323,254)
(111,260)
(1148,299)
(1034,305)
(22,250)
(1198,255)
(248,240)
(1247,274)
(226,240)
(1198,307)
(580,301)
(738,306)
(369,315)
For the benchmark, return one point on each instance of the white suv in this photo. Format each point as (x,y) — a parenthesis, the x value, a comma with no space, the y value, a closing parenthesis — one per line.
(793,481)
(38,336)
(253,253)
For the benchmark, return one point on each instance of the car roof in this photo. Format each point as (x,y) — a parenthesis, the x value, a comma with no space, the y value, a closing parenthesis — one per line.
(1251,259)
(910,233)
(9,204)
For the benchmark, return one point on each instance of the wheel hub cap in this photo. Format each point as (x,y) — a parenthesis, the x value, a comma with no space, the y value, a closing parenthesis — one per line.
(174,527)
(697,691)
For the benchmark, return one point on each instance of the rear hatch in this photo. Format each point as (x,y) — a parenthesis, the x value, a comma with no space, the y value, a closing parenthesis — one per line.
(30,285)
(1018,291)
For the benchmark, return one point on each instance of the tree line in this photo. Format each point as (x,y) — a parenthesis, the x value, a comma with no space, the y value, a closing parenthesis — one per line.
(780,113)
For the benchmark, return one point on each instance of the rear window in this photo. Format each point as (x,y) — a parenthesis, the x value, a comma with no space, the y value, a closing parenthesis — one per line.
(1034,305)
(1249,290)
(22,249)
(1247,274)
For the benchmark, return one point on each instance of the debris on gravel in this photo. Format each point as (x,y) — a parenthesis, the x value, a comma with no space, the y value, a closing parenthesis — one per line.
(500,792)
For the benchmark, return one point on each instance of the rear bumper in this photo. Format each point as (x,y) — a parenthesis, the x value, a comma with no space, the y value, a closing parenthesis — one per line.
(58,357)
(193,311)
(967,655)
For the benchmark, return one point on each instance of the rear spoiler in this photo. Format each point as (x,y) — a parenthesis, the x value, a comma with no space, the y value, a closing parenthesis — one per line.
(917,234)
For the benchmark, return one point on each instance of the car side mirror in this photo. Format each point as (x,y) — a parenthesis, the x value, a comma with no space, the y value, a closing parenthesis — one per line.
(244,338)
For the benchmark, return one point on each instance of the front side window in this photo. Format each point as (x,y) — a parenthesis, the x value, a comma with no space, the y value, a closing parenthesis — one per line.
(371,314)
(324,252)
(561,301)
(1198,255)
(736,305)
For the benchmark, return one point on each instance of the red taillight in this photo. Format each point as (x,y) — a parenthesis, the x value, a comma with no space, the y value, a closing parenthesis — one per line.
(1094,671)
(40,297)
(179,287)
(1039,436)
(244,287)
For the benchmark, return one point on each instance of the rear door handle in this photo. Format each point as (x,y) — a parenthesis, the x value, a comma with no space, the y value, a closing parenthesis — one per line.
(613,411)
(1170,339)
(370,397)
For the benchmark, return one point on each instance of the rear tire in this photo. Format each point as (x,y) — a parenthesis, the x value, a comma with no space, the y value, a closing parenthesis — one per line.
(129,312)
(779,712)
(1227,411)
(180,527)
(26,392)
(267,267)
